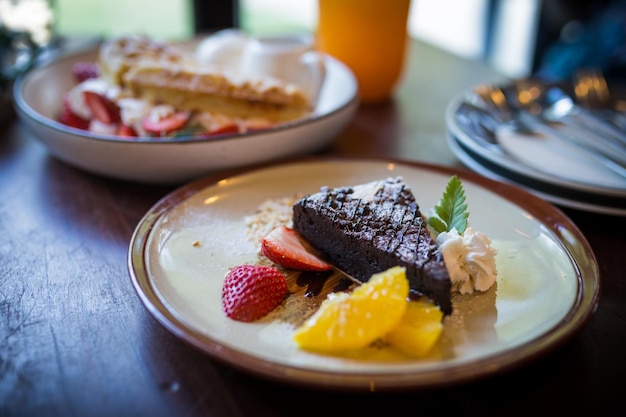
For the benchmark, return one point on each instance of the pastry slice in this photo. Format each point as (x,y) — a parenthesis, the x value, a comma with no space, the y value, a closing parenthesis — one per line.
(197,88)
(164,73)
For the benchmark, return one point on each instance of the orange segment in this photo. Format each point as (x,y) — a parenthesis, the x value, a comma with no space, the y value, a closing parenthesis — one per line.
(347,321)
(418,330)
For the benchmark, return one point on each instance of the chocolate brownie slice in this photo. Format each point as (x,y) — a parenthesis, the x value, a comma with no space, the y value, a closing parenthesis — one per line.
(365,229)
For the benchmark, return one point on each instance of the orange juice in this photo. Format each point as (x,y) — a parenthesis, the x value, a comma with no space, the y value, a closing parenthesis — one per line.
(370,37)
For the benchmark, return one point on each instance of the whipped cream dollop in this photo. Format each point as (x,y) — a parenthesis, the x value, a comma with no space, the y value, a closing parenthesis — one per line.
(469,258)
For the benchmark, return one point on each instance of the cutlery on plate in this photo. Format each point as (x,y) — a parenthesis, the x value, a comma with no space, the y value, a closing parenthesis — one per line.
(524,121)
(482,123)
(551,103)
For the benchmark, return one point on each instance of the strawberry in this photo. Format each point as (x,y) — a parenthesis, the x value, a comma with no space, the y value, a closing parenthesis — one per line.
(102,107)
(71,119)
(252,291)
(85,70)
(126,131)
(285,247)
(216,124)
(224,129)
(166,125)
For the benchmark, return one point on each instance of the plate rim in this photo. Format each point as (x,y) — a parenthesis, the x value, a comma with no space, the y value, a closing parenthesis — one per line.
(582,309)
(478,164)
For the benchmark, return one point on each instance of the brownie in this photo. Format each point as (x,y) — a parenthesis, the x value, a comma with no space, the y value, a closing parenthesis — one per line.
(368,228)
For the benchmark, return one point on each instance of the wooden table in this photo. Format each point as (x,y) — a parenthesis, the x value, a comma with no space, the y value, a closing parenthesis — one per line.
(75,340)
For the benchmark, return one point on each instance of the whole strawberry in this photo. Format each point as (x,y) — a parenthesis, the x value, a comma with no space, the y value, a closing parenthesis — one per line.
(251,291)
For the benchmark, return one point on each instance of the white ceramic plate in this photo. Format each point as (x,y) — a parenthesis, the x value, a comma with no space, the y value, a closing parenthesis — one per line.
(564,197)
(38,97)
(542,161)
(547,289)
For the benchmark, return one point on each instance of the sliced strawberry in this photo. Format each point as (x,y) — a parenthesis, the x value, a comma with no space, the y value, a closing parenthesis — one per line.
(167,124)
(250,292)
(71,119)
(224,129)
(286,248)
(85,70)
(102,108)
(126,131)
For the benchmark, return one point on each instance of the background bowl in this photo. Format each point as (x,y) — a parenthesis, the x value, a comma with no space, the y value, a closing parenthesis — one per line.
(38,97)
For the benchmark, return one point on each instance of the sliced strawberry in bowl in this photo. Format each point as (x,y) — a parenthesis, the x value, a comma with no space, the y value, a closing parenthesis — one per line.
(224,129)
(286,248)
(167,124)
(103,109)
(216,124)
(71,119)
(126,131)
(250,292)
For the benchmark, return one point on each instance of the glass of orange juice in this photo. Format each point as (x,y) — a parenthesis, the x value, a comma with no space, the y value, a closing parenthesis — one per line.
(370,37)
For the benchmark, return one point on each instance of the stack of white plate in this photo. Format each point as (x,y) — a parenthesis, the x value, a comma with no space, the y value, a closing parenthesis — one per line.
(564,175)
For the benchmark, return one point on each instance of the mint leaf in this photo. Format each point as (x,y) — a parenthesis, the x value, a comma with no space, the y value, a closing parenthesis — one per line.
(451,211)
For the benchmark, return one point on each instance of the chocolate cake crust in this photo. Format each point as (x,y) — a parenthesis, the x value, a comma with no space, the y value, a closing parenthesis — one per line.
(368,228)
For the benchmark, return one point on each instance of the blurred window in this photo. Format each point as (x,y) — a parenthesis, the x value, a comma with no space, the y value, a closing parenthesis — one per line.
(159,18)
(273,17)
(512,35)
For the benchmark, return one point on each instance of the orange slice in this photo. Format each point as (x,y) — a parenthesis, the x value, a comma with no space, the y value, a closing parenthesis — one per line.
(347,321)
(418,330)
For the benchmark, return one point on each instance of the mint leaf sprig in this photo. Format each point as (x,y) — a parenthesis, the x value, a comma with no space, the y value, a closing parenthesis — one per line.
(451,211)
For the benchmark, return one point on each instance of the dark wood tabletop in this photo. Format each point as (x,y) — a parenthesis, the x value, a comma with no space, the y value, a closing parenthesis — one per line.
(75,339)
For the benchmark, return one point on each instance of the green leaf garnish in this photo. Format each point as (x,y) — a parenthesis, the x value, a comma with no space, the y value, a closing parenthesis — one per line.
(451,211)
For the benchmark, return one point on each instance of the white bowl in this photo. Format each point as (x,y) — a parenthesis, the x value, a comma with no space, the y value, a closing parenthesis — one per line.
(38,99)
